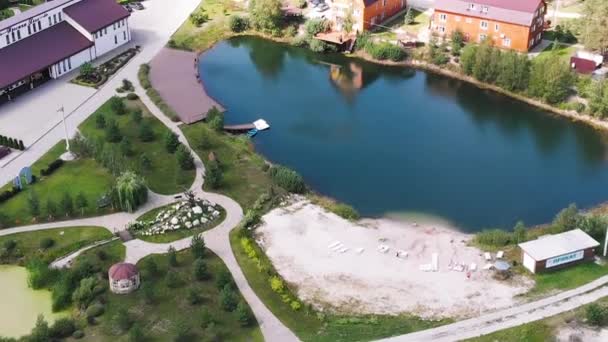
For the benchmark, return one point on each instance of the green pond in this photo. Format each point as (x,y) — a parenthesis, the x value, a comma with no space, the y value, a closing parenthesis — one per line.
(19,304)
(394,140)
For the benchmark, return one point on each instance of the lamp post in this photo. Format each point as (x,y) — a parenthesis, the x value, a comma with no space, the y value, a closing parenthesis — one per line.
(68,154)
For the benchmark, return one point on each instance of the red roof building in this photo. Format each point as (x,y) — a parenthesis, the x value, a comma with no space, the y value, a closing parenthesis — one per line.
(124,278)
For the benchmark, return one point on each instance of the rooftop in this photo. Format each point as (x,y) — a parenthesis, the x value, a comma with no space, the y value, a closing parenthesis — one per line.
(37,10)
(519,12)
(94,15)
(559,244)
(122,270)
(24,57)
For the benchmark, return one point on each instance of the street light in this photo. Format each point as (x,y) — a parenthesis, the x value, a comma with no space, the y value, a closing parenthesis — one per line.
(68,154)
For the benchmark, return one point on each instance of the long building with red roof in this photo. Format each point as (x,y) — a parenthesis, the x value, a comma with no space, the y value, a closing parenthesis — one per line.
(55,38)
(510,24)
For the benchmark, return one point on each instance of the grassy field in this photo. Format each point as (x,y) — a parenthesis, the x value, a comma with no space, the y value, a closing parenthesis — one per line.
(310,325)
(244,179)
(567,278)
(82,175)
(177,234)
(66,240)
(421,21)
(562,50)
(190,37)
(171,307)
(164,176)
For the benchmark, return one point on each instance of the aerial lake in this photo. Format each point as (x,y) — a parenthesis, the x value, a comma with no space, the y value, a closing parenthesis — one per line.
(20,305)
(391,140)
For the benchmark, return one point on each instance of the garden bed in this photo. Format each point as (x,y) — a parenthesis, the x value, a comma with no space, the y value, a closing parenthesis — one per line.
(94,77)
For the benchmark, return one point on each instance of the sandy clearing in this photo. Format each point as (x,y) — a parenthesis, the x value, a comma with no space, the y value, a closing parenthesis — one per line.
(581,333)
(297,238)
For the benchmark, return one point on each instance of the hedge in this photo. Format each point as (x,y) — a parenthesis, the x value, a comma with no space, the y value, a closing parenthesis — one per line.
(12,143)
(8,194)
(54,165)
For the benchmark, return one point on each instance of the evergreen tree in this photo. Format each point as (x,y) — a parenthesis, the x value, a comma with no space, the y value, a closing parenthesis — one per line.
(145,133)
(81,202)
(51,208)
(172,257)
(197,246)
(213,175)
(171,142)
(200,269)
(467,58)
(40,332)
(67,204)
(33,203)
(184,158)
(100,121)
(244,314)
(113,134)
(118,106)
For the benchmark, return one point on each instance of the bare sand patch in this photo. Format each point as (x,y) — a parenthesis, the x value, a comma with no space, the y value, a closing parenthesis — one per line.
(573,333)
(297,239)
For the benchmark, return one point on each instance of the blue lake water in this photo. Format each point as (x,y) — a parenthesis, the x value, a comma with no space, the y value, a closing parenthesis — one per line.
(396,140)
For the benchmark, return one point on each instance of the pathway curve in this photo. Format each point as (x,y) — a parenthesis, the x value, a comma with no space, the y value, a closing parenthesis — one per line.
(66,261)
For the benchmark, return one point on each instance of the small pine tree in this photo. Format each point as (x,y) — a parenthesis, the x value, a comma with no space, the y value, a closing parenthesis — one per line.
(228,299)
(145,133)
(113,134)
(213,175)
(118,106)
(51,208)
(197,246)
(171,142)
(136,115)
(200,270)
(21,145)
(145,162)
(81,202)
(34,203)
(172,257)
(244,314)
(100,121)
(67,204)
(184,158)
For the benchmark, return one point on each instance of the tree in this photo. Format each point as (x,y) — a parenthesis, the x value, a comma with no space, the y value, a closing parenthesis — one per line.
(596,314)
(150,267)
(149,293)
(550,79)
(238,23)
(482,70)
(40,332)
(100,121)
(173,280)
(33,203)
(598,97)
(136,333)
(184,158)
(194,297)
(200,269)
(595,35)
(87,70)
(519,232)
(216,122)
(467,58)
(409,17)
(457,41)
(51,208)
(85,293)
(131,191)
(266,15)
(145,162)
(81,202)
(288,179)
(197,246)
(224,279)
(122,319)
(117,105)
(213,175)
(113,133)
(145,133)
(566,219)
(136,115)
(228,298)
(204,140)
(244,314)
(349,21)
(171,142)
(125,147)
(172,257)
(67,204)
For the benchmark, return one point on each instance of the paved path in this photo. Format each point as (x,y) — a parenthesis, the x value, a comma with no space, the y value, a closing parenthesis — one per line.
(66,261)
(511,317)
(173,75)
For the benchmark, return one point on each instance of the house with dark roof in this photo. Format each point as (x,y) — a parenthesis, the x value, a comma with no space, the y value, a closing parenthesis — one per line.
(55,38)
(366,14)
(510,24)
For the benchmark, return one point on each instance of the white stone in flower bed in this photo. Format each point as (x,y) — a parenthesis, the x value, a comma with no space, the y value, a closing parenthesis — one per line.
(179,216)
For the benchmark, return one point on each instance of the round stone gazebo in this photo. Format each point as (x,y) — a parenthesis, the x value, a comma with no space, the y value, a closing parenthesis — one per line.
(124,278)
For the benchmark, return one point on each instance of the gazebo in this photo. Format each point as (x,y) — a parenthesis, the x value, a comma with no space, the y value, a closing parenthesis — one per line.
(123,277)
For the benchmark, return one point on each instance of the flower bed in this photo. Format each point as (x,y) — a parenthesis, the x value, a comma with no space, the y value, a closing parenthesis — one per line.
(181,215)
(100,74)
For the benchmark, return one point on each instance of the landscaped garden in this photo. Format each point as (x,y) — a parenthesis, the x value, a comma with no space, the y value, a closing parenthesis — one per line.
(61,190)
(96,76)
(132,138)
(177,220)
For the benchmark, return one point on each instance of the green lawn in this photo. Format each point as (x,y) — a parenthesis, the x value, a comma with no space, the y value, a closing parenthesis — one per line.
(421,21)
(243,177)
(104,256)
(563,51)
(66,241)
(190,37)
(310,325)
(567,278)
(82,175)
(177,234)
(171,306)
(531,332)
(164,176)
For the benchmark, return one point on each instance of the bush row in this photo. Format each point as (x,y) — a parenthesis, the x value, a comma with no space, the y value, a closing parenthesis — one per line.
(54,165)
(12,143)
(8,194)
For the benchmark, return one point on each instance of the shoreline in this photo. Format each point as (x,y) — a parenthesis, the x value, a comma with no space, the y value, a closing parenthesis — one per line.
(572,115)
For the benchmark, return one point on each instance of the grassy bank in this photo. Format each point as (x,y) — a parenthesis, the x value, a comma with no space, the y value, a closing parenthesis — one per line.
(163,174)
(79,176)
(64,241)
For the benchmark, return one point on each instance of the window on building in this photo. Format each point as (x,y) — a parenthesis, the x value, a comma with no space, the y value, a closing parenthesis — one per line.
(472,7)
(441,29)
(29,29)
(469,20)
(483,24)
(443,17)
(384,3)
(13,35)
(18,34)
(496,27)
(506,42)
(70,62)
(54,18)
(482,37)
(50,22)
(124,35)
(39,25)
(115,39)
(484,9)
(59,15)
(105,30)
(457,18)
(531,42)
(8,39)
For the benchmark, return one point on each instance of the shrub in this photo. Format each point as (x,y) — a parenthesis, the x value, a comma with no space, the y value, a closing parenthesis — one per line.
(223,279)
(8,194)
(113,133)
(596,314)
(47,243)
(206,318)
(146,134)
(173,280)
(194,297)
(95,310)
(172,257)
(132,96)
(117,105)
(291,31)
(315,26)
(277,284)
(136,334)
(385,50)
(238,23)
(62,328)
(318,46)
(122,319)
(200,270)
(144,76)
(148,292)
(287,179)
(244,314)
(213,175)
(216,122)
(345,211)
(78,334)
(100,121)
(197,246)
(300,41)
(199,17)
(54,165)
(494,237)
(150,267)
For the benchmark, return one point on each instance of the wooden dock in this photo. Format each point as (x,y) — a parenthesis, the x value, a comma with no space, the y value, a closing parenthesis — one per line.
(239,128)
